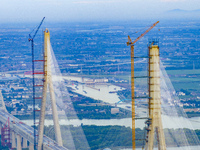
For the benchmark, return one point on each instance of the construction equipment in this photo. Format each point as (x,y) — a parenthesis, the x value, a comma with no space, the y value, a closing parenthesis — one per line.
(31,39)
(129,39)
(5,134)
(130,43)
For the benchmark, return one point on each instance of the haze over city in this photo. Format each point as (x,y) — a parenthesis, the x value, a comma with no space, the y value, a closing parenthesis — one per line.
(94,10)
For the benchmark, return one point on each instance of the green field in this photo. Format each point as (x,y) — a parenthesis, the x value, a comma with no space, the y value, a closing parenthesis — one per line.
(187,72)
(190,81)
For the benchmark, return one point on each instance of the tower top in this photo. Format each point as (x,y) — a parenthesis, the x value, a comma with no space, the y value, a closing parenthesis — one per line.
(46,30)
(153,42)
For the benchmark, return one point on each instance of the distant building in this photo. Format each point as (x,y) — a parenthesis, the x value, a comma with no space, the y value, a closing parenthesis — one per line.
(181,93)
(101,80)
(114,110)
(192,110)
(91,81)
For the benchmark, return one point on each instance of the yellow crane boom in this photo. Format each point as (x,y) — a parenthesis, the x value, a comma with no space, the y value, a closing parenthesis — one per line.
(132,79)
(129,39)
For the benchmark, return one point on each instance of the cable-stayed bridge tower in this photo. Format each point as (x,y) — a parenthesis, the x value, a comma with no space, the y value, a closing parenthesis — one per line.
(155,121)
(48,83)
(2,104)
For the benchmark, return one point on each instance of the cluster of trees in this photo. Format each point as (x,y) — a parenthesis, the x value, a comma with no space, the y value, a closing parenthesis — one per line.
(185,91)
(99,112)
(116,137)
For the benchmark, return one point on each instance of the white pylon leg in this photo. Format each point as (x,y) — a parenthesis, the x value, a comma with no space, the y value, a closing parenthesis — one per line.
(3,107)
(55,116)
(31,146)
(19,142)
(13,140)
(0,127)
(24,143)
(42,117)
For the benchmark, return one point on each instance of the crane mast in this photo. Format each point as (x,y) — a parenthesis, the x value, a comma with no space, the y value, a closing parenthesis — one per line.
(130,43)
(31,39)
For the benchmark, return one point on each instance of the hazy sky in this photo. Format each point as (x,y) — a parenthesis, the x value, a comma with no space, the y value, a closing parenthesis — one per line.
(89,10)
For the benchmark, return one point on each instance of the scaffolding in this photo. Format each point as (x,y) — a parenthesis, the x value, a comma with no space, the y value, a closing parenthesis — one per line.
(5,135)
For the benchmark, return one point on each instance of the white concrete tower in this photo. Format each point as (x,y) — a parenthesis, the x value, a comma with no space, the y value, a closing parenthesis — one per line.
(48,84)
(2,104)
(155,121)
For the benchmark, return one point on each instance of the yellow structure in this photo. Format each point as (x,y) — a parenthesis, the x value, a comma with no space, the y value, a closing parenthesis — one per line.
(155,121)
(133,96)
(130,43)
(48,84)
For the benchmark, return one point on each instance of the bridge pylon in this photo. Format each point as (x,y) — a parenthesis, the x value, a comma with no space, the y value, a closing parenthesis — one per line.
(48,84)
(2,104)
(155,121)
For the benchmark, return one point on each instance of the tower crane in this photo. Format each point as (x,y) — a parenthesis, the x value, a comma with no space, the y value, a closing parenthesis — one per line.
(31,39)
(130,43)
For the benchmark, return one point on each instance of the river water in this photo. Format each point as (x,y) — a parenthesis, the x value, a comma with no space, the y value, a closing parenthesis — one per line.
(168,122)
(101,92)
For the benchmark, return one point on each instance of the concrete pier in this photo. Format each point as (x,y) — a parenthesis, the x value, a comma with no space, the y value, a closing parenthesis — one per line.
(13,139)
(19,142)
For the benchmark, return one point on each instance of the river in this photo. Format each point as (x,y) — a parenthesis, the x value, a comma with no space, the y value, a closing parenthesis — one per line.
(168,122)
(102,92)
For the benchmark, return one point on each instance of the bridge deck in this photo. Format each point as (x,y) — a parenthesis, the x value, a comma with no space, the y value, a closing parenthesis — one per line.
(27,132)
